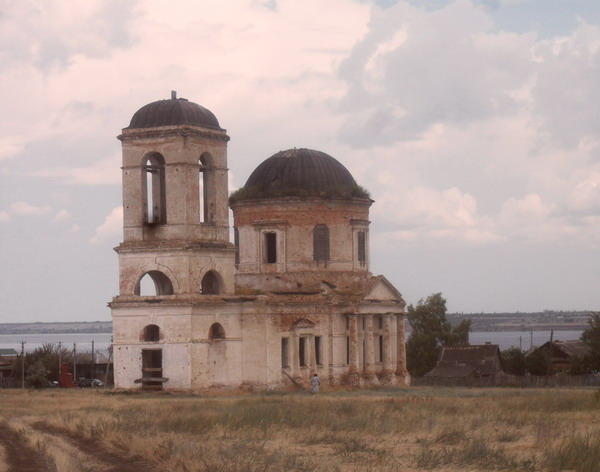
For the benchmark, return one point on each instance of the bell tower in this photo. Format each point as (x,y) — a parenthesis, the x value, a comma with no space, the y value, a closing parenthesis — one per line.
(175,193)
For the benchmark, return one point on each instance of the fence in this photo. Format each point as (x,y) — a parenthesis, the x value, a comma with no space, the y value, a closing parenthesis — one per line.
(509,381)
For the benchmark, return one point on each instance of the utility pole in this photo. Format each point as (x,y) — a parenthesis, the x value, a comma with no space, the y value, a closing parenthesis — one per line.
(59,360)
(22,364)
(74,362)
(93,360)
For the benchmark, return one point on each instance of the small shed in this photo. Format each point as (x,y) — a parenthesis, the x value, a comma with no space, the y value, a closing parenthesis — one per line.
(563,352)
(8,361)
(480,361)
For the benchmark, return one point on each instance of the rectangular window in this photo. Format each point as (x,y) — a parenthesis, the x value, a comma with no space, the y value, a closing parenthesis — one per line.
(347,349)
(380,349)
(380,321)
(285,353)
(236,242)
(302,351)
(318,358)
(362,248)
(270,256)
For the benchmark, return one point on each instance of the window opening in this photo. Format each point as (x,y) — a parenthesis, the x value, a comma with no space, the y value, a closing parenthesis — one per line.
(347,350)
(302,351)
(154,190)
(236,242)
(270,248)
(285,355)
(362,248)
(154,283)
(380,321)
(216,332)
(321,243)
(210,284)
(203,189)
(318,358)
(380,348)
(151,333)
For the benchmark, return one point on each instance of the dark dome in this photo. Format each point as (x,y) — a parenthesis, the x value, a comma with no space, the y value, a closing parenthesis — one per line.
(300,172)
(173,112)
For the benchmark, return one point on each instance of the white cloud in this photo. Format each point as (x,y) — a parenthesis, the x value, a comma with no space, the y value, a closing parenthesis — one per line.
(105,172)
(24,208)
(111,228)
(62,215)
(4,216)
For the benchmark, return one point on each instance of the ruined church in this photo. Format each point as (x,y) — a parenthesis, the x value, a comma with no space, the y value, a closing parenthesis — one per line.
(291,296)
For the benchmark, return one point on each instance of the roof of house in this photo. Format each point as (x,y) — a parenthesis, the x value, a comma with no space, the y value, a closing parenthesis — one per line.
(574,348)
(8,352)
(462,361)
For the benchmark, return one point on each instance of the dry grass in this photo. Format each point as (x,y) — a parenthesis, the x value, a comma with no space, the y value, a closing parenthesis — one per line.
(377,430)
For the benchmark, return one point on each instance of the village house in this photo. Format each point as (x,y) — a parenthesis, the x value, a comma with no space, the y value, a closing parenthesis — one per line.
(293,294)
(466,365)
(561,354)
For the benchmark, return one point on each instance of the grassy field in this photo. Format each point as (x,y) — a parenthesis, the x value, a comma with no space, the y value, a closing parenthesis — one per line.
(376,430)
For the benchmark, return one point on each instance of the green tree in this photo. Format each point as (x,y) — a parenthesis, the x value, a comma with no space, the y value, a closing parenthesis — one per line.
(536,363)
(513,361)
(430,331)
(44,358)
(36,375)
(591,336)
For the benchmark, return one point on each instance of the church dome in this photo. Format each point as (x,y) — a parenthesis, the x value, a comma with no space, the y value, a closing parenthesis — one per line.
(300,173)
(173,112)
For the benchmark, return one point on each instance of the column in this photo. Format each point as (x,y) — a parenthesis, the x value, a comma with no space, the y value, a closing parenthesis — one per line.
(401,348)
(353,374)
(369,348)
(388,368)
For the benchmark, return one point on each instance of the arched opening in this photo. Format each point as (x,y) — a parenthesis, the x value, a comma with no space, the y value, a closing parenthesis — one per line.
(153,184)
(150,333)
(206,188)
(153,283)
(210,284)
(216,332)
(321,243)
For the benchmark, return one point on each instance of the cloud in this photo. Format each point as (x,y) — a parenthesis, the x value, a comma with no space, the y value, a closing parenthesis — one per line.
(24,208)
(401,82)
(105,172)
(4,216)
(62,215)
(111,228)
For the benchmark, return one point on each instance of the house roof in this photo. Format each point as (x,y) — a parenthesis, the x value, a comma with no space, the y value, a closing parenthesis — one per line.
(8,352)
(574,348)
(462,361)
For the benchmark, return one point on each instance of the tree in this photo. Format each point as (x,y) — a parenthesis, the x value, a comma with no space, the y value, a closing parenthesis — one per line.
(591,336)
(513,361)
(536,363)
(430,331)
(43,363)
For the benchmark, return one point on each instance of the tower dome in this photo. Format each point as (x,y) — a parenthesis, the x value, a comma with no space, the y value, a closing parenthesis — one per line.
(300,173)
(173,112)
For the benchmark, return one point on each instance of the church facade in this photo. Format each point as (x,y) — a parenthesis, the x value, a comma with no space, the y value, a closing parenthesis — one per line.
(290,297)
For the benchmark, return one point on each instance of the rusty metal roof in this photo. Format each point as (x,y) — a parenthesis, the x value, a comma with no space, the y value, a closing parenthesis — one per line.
(463,361)
(301,172)
(173,112)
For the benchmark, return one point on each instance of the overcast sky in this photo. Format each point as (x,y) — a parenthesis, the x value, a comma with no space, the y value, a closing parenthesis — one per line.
(474,124)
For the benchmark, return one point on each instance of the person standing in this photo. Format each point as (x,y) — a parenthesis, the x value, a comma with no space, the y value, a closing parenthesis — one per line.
(315,383)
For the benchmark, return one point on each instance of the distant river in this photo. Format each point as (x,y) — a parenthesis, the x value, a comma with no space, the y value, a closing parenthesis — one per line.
(83,341)
(522,339)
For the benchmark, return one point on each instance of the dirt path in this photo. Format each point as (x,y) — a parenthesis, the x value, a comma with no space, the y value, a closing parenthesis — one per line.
(19,457)
(109,460)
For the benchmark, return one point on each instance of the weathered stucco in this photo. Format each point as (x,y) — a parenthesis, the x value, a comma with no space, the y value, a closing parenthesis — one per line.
(218,322)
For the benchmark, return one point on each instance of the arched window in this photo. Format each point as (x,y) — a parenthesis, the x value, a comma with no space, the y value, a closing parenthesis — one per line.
(154,195)
(206,188)
(210,284)
(216,332)
(321,243)
(150,333)
(153,283)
